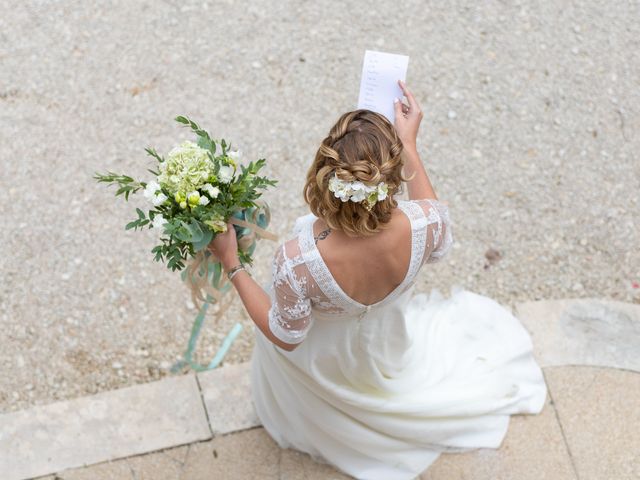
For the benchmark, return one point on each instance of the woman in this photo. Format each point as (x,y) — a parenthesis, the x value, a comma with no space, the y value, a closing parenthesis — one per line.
(349,365)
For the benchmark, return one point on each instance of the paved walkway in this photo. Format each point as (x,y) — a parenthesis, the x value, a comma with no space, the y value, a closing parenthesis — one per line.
(203,426)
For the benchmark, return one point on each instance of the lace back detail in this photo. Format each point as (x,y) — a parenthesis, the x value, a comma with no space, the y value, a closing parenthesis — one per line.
(335,300)
(304,284)
(340,302)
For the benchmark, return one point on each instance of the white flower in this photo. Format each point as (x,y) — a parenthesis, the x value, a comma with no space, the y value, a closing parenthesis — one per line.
(339,188)
(186,168)
(234,154)
(334,183)
(159,221)
(159,199)
(382,191)
(151,189)
(357,185)
(226,173)
(357,191)
(211,190)
(203,200)
(342,195)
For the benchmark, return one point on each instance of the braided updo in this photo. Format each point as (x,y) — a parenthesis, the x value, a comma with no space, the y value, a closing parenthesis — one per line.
(363,145)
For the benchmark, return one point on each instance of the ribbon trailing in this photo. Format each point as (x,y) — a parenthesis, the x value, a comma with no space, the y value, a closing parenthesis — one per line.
(204,274)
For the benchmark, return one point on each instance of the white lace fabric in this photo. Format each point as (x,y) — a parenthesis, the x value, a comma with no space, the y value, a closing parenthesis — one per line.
(302,282)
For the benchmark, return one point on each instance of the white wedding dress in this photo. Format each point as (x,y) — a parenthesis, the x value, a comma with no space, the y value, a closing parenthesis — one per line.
(380,391)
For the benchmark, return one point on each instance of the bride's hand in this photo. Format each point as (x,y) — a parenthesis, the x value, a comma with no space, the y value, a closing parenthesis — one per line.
(408,118)
(225,247)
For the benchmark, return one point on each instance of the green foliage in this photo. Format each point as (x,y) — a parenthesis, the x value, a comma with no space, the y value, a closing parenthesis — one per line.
(154,154)
(127,184)
(140,222)
(185,233)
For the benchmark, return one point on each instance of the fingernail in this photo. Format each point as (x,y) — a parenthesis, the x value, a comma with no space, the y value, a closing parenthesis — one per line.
(395,100)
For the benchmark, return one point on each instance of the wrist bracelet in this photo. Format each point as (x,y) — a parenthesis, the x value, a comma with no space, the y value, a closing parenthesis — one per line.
(231,273)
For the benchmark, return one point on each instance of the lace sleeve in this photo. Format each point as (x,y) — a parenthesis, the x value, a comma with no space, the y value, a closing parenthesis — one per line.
(439,234)
(290,316)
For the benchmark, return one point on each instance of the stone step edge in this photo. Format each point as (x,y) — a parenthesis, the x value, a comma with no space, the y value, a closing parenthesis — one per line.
(119,423)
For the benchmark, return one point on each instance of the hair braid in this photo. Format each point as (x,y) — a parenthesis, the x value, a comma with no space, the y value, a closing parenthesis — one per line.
(362,145)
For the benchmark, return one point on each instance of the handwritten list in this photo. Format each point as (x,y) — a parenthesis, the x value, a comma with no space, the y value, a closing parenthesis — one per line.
(379,84)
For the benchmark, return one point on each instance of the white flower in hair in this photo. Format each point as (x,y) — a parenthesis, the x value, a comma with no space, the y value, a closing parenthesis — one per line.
(339,188)
(357,191)
(383,191)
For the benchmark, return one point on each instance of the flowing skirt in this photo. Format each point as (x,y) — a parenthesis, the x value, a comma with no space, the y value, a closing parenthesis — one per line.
(381,397)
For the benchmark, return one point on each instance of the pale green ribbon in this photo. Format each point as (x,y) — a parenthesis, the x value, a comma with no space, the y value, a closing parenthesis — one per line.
(252,223)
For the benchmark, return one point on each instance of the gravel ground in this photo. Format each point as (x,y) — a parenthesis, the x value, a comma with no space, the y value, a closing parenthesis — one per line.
(530,133)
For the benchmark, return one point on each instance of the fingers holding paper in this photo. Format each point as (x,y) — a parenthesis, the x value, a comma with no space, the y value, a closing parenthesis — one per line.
(407,117)
(414,107)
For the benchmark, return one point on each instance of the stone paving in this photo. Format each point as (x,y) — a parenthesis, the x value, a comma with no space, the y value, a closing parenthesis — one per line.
(203,426)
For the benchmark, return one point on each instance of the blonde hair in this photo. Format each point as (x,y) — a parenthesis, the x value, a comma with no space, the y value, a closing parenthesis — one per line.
(363,145)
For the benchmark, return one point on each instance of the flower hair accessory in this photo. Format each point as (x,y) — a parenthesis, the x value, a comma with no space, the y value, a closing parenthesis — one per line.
(358,191)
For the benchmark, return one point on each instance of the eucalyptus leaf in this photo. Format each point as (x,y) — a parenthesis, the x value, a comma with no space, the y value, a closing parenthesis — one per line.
(207,236)
(196,231)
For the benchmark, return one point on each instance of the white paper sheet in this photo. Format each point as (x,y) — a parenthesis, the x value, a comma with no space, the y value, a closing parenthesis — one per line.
(379,84)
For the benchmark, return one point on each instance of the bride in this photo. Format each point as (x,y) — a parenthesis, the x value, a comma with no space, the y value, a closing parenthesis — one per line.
(350,364)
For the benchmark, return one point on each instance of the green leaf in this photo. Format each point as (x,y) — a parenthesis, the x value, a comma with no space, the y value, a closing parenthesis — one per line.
(122,190)
(154,154)
(207,236)
(183,232)
(196,230)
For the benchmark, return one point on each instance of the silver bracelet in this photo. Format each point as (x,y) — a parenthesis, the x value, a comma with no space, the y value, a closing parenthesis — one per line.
(232,273)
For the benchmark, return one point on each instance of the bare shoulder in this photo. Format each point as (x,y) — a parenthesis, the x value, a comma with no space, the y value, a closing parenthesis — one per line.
(291,247)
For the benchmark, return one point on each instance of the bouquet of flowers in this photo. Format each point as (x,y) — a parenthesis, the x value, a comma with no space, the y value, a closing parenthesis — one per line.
(198,188)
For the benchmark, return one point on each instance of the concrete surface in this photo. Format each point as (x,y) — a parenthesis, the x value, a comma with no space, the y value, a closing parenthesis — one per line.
(533,449)
(226,393)
(101,427)
(583,332)
(599,410)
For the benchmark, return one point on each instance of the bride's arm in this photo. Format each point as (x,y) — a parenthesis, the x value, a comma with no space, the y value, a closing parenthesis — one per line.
(255,299)
(419,186)
(407,123)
